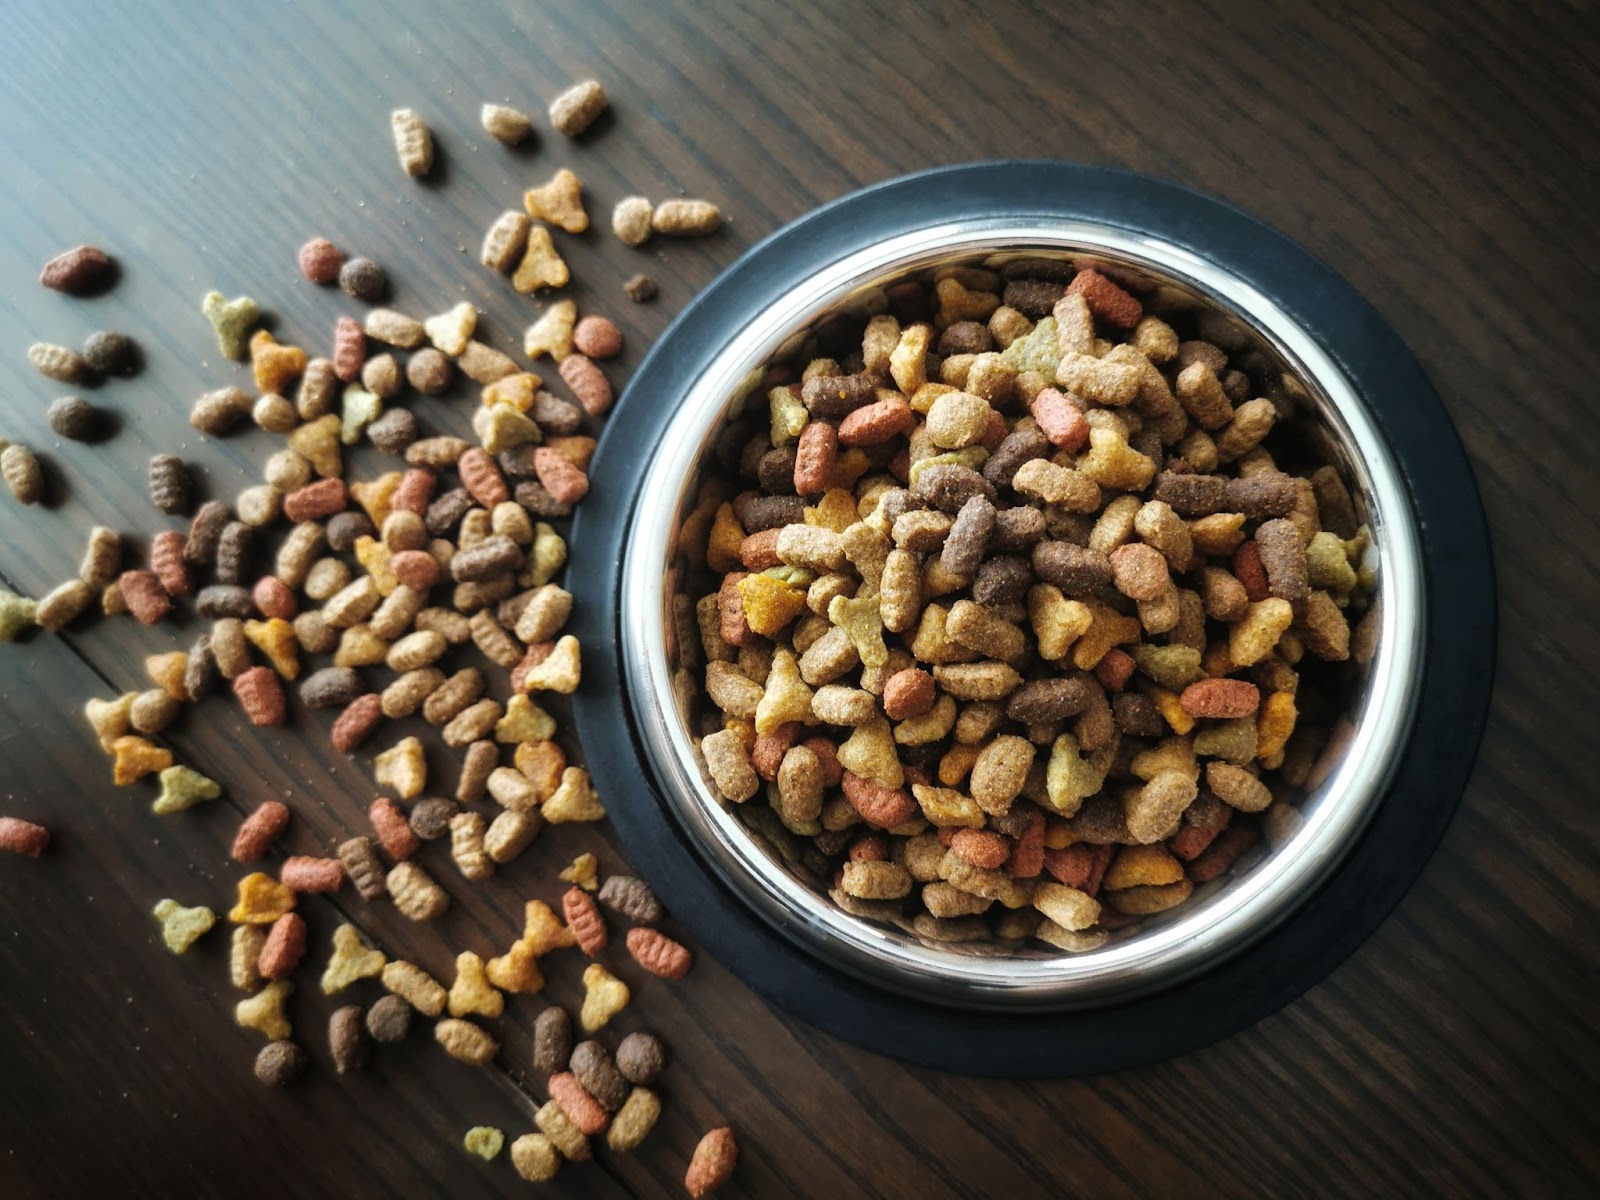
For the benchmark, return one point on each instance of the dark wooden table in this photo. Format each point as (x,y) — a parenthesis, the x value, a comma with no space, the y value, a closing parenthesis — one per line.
(1439,154)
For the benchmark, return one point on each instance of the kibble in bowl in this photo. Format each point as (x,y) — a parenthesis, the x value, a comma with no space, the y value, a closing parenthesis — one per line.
(1040,613)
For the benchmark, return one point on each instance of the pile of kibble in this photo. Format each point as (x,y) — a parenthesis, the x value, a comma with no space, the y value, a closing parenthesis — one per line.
(1011,616)
(455,546)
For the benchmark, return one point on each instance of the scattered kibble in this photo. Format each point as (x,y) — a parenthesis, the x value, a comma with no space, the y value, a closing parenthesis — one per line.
(23,837)
(712,1163)
(232,320)
(81,271)
(641,289)
(413,141)
(110,353)
(576,109)
(484,1141)
(319,261)
(23,475)
(505,124)
(181,927)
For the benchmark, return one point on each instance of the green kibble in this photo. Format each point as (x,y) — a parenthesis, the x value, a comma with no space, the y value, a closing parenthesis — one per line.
(484,1140)
(16,615)
(232,319)
(181,927)
(183,787)
(360,409)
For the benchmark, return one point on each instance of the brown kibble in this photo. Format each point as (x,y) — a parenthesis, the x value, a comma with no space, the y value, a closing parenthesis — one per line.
(260,695)
(72,417)
(599,1077)
(170,486)
(632,898)
(280,1063)
(640,1058)
(389,1019)
(361,864)
(107,352)
(640,289)
(363,279)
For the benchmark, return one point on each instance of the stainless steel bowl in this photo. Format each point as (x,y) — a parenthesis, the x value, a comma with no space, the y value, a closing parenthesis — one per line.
(1224,916)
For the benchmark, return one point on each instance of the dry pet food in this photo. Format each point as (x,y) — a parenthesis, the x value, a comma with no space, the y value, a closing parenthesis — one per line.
(712,1163)
(1003,591)
(81,271)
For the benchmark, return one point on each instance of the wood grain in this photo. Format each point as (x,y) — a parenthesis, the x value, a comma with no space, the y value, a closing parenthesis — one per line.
(1436,154)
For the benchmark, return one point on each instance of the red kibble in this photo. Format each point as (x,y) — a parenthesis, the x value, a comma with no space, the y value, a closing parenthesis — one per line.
(1062,424)
(481,477)
(1249,571)
(981,847)
(909,693)
(417,569)
(320,261)
(259,830)
(166,560)
(815,457)
(875,423)
(284,948)
(657,953)
(598,337)
(307,874)
(582,1109)
(316,500)
(1220,699)
(414,492)
(1027,852)
(561,477)
(1114,670)
(870,847)
(23,837)
(349,349)
(274,598)
(882,806)
(766,756)
(1107,301)
(393,830)
(261,696)
(585,921)
(356,723)
(146,599)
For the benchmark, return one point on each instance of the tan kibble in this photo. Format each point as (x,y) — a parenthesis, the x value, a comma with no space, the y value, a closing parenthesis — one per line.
(631,220)
(505,124)
(575,109)
(558,202)
(505,240)
(413,142)
(686,218)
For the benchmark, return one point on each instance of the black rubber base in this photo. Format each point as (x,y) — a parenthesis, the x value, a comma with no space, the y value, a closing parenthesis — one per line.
(1454,701)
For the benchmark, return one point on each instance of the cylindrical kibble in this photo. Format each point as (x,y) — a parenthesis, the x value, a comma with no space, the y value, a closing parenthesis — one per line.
(23,475)
(361,864)
(552,1040)
(686,218)
(170,486)
(415,894)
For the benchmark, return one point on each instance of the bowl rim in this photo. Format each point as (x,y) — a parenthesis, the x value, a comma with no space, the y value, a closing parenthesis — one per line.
(1452,707)
(1192,937)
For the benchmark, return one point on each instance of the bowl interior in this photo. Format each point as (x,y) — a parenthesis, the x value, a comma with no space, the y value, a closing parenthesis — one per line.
(764,866)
